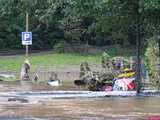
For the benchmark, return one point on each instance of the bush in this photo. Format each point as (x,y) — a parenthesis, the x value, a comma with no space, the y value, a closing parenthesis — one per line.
(152,58)
(60,47)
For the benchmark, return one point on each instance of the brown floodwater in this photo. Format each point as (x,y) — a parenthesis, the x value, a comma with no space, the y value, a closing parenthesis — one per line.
(139,108)
(107,108)
(25,86)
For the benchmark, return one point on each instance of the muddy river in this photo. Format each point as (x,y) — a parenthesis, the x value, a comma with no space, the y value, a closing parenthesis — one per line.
(108,108)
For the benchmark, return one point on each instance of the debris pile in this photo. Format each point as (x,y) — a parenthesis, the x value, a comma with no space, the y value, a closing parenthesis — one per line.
(114,75)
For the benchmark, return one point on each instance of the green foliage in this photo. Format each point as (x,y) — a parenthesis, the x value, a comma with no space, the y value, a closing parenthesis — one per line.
(96,22)
(153,59)
(60,47)
(106,56)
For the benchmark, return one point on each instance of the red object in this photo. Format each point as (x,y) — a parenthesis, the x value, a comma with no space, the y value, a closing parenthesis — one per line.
(131,86)
(129,83)
(154,118)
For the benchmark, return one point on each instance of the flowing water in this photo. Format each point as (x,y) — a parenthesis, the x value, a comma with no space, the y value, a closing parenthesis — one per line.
(108,108)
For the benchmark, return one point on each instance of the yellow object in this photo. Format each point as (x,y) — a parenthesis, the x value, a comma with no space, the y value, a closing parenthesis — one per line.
(27,61)
(126,69)
(126,73)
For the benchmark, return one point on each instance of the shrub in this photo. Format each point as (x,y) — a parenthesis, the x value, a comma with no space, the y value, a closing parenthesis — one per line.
(152,58)
(60,47)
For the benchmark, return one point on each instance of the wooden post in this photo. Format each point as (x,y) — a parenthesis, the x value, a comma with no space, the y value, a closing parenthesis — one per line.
(26,31)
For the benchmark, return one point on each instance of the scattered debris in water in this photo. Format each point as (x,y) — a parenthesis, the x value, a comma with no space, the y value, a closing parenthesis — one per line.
(113,77)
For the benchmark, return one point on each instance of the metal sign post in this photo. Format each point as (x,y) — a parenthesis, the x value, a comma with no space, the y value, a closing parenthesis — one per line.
(26,40)
(26,37)
(26,31)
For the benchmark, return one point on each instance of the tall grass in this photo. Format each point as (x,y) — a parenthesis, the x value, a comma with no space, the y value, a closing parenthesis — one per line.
(14,63)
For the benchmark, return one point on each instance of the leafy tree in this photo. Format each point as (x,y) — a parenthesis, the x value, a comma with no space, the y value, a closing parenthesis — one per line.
(95,22)
(152,56)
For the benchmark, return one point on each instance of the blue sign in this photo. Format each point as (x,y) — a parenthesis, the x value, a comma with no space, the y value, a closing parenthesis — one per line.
(26,38)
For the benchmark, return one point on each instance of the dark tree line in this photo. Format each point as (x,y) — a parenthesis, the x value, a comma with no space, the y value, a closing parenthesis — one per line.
(95,22)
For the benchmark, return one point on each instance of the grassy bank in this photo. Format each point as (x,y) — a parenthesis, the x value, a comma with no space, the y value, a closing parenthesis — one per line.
(14,63)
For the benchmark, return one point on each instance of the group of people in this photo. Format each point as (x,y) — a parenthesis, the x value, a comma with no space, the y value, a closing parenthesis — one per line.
(25,75)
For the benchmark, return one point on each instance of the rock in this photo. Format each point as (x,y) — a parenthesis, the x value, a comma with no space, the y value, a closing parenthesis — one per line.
(79,82)
(22,100)
(7,77)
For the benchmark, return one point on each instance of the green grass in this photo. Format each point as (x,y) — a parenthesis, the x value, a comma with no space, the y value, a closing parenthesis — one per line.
(125,52)
(15,63)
